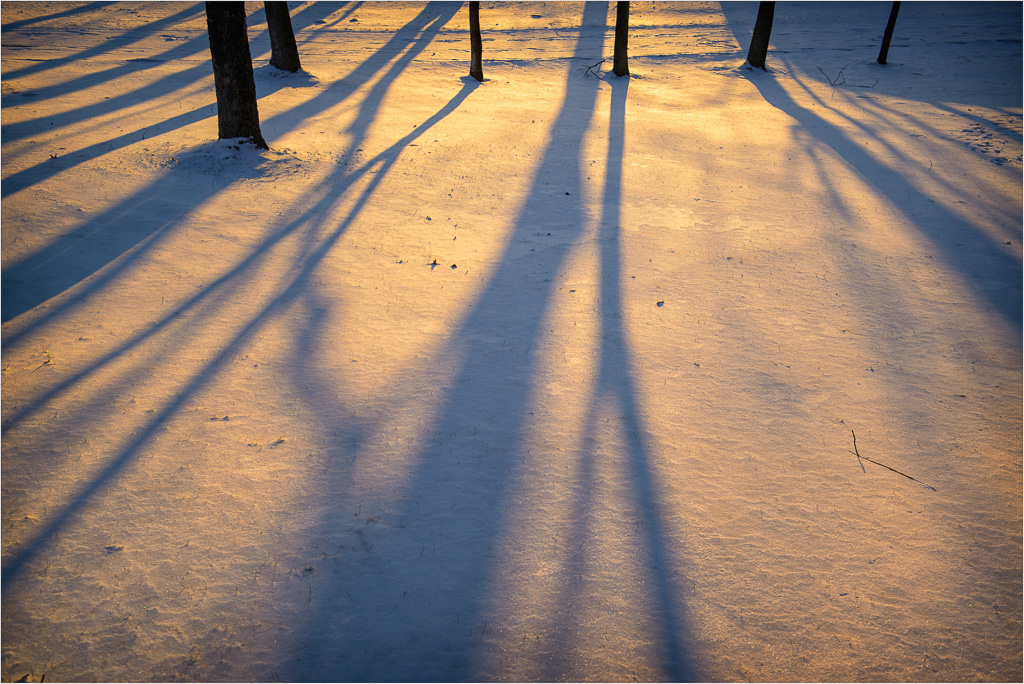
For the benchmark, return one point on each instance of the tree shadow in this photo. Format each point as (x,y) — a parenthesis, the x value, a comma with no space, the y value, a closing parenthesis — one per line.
(408,42)
(986,266)
(457,506)
(992,271)
(615,391)
(309,16)
(128,38)
(409,596)
(191,317)
(86,7)
(99,242)
(112,238)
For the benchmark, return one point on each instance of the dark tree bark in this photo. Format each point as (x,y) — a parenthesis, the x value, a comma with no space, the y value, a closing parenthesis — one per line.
(476,43)
(883,54)
(237,114)
(284,53)
(620,60)
(758,51)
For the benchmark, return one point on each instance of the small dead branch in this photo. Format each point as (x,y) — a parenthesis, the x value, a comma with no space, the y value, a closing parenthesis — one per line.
(870,460)
(837,81)
(588,71)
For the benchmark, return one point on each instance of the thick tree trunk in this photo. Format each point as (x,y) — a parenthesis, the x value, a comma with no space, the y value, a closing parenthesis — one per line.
(237,114)
(620,60)
(284,53)
(476,44)
(758,51)
(883,54)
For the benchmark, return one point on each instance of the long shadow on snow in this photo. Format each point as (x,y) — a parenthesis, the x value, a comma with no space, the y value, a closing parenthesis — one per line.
(409,602)
(417,33)
(88,7)
(102,240)
(992,272)
(290,293)
(126,39)
(222,290)
(615,389)
(309,16)
(147,93)
(328,191)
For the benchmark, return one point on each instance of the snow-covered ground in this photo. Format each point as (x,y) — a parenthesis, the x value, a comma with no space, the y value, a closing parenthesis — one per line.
(552,377)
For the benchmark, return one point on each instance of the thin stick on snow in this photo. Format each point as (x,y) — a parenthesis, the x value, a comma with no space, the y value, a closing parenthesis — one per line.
(589,69)
(834,82)
(869,460)
(857,452)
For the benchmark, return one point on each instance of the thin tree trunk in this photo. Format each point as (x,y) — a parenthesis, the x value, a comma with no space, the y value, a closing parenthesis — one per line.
(476,44)
(284,53)
(758,51)
(237,113)
(883,54)
(620,60)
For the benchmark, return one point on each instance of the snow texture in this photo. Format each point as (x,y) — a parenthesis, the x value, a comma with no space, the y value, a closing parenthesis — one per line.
(705,373)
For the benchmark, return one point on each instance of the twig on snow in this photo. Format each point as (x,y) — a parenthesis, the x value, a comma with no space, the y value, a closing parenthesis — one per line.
(857,452)
(588,70)
(870,460)
(834,82)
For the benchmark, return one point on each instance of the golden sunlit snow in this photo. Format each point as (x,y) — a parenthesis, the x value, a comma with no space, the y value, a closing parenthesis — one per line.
(550,377)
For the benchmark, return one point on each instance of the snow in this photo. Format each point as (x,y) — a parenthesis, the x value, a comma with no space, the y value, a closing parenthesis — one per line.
(550,377)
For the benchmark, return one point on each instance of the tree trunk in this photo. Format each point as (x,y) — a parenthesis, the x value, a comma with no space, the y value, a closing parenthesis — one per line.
(476,44)
(883,54)
(762,32)
(620,61)
(237,114)
(284,53)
